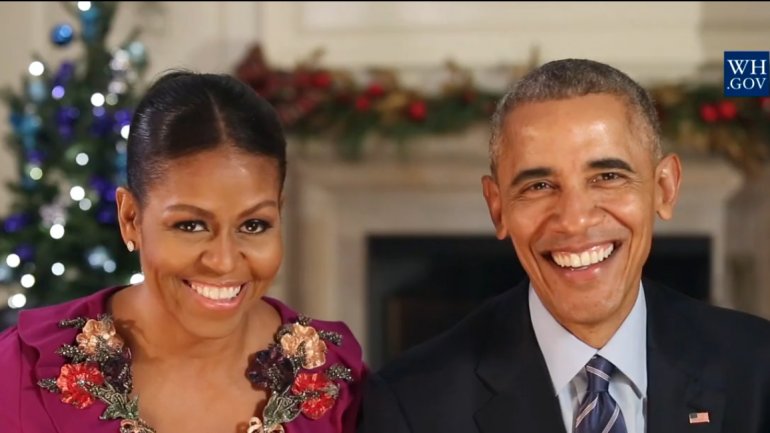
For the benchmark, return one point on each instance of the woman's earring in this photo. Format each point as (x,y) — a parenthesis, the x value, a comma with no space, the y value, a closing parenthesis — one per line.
(131,247)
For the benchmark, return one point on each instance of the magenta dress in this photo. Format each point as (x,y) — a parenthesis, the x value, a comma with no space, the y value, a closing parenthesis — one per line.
(28,354)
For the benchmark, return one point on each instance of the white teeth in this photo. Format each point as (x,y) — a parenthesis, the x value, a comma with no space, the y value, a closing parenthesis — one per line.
(216,293)
(586,258)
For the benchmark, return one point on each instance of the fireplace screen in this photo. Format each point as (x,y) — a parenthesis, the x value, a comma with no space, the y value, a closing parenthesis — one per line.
(419,286)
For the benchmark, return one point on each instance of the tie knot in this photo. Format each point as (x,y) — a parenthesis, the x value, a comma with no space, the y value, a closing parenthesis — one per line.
(599,371)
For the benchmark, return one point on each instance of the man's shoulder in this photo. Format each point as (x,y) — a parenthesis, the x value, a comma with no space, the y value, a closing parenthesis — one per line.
(720,325)
(457,348)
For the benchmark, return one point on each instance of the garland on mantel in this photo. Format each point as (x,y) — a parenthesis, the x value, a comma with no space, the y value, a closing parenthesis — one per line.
(315,101)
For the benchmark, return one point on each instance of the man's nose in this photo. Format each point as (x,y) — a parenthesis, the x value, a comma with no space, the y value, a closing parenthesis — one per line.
(576,210)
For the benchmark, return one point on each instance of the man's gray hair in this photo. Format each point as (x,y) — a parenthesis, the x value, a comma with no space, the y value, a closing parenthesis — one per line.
(569,78)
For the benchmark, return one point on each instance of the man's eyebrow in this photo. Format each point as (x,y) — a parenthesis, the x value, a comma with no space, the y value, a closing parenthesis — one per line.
(531,173)
(610,163)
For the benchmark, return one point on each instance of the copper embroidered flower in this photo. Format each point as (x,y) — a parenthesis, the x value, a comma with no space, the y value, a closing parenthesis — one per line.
(317,392)
(73,381)
(96,333)
(304,338)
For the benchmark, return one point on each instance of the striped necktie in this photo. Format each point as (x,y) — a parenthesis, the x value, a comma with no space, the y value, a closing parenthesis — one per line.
(598,412)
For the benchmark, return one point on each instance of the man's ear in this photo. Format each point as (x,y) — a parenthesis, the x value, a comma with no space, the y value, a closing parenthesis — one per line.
(494,204)
(128,216)
(668,176)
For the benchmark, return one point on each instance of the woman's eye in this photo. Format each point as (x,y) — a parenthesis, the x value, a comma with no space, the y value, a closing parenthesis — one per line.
(255,226)
(191,226)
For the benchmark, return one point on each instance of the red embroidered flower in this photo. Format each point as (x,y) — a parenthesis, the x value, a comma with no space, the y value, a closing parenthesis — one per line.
(72,379)
(322,393)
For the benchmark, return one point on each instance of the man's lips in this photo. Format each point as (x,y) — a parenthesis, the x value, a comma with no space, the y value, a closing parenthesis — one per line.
(584,256)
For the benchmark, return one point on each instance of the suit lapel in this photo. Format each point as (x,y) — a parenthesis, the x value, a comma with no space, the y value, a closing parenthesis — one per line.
(515,371)
(682,377)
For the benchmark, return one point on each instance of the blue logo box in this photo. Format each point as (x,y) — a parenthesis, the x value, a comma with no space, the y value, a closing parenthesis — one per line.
(746,73)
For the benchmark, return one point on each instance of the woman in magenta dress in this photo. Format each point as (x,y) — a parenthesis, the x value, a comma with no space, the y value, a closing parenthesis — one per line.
(198,346)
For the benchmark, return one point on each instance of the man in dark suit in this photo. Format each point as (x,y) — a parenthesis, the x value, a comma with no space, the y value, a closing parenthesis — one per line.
(585,344)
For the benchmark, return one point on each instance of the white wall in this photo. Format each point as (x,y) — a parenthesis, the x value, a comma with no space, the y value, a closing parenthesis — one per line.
(481,34)
(651,41)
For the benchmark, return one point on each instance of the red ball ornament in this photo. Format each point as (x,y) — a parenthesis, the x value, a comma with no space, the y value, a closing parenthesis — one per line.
(709,113)
(764,102)
(727,110)
(321,80)
(363,103)
(375,90)
(418,111)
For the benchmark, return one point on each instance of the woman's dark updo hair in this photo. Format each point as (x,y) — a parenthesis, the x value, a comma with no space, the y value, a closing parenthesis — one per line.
(184,113)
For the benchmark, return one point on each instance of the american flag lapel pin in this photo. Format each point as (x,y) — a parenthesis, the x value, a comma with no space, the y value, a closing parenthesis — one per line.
(699,417)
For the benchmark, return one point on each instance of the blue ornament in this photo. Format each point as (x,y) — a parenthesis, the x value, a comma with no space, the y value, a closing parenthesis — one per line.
(123,117)
(26,252)
(15,222)
(108,195)
(102,123)
(104,188)
(62,34)
(98,183)
(66,117)
(121,160)
(35,157)
(37,91)
(28,127)
(106,215)
(16,120)
(5,273)
(89,21)
(64,74)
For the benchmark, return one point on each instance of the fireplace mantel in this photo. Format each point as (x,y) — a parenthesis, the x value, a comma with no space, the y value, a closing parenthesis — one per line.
(334,206)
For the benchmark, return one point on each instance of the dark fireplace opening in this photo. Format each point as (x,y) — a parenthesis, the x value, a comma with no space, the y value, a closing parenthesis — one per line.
(419,286)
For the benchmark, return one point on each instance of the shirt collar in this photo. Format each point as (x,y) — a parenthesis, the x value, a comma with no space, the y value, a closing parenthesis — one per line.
(565,355)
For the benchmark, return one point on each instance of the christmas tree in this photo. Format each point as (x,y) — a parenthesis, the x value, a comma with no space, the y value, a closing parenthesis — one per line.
(69,122)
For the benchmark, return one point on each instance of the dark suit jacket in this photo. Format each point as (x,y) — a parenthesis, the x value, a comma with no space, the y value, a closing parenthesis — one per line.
(488,375)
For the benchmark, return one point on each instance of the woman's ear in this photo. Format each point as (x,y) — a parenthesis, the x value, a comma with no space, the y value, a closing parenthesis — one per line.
(128,218)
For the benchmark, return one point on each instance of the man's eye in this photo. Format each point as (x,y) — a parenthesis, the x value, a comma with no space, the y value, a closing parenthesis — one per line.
(255,226)
(191,226)
(608,176)
(539,186)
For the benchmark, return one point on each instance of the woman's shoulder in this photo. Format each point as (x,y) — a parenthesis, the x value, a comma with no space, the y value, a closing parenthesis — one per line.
(38,323)
(337,333)
(331,365)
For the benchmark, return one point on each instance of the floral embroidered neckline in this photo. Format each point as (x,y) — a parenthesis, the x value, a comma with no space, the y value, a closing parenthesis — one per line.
(98,367)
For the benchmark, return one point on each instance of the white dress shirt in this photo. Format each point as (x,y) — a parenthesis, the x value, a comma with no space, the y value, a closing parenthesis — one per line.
(565,355)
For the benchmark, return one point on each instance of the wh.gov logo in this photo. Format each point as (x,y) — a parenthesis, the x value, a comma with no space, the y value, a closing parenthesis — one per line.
(746,73)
